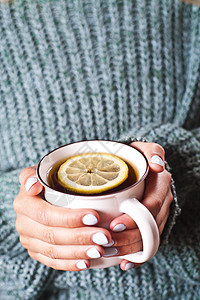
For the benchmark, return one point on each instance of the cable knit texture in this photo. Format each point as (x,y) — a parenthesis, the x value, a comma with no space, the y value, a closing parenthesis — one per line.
(123,70)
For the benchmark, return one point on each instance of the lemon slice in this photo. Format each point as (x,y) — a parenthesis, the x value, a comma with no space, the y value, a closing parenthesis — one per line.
(92,173)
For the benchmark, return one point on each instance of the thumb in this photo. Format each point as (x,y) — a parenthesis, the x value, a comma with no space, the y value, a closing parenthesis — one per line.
(29,181)
(154,153)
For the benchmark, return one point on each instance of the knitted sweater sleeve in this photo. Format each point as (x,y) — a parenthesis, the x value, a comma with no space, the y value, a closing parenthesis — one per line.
(25,277)
(183,161)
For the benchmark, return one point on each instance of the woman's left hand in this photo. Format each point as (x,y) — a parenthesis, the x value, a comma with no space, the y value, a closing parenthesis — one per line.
(157,198)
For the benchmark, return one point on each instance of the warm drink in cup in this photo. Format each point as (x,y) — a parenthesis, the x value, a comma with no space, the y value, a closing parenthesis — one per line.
(124,198)
(54,183)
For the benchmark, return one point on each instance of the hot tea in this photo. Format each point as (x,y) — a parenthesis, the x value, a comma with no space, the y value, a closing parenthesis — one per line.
(55,184)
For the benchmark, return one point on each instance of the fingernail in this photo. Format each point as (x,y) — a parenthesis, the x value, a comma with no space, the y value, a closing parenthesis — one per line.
(93,253)
(110,244)
(157,160)
(81,265)
(119,227)
(30,182)
(110,251)
(99,238)
(129,266)
(89,219)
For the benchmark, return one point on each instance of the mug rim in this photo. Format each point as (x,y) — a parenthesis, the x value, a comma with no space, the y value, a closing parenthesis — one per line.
(95,195)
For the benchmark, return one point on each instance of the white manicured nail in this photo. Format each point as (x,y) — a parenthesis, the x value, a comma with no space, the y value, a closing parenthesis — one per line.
(93,253)
(119,227)
(129,266)
(110,244)
(89,219)
(157,160)
(30,182)
(81,265)
(99,238)
(110,251)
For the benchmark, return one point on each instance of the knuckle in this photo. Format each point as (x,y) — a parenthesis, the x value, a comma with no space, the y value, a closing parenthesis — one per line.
(21,239)
(158,205)
(135,247)
(42,215)
(129,241)
(24,242)
(16,204)
(80,237)
(31,254)
(49,236)
(50,252)
(130,238)
(22,175)
(54,264)
(68,220)
(18,226)
(76,253)
(155,204)
(168,176)
(132,248)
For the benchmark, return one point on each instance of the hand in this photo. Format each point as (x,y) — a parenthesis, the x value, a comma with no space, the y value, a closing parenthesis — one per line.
(57,237)
(157,198)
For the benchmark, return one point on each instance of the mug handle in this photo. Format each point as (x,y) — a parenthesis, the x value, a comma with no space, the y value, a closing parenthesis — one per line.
(148,229)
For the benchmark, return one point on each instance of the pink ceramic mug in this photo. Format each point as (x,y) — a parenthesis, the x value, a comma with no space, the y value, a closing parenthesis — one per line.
(108,205)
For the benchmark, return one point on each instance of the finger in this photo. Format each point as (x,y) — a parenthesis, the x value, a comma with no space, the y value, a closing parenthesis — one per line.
(61,251)
(122,223)
(29,182)
(62,236)
(44,213)
(123,250)
(154,153)
(128,249)
(126,237)
(157,187)
(165,209)
(126,265)
(61,264)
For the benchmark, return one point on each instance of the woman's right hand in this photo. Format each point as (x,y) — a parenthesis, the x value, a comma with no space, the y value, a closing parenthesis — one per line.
(55,236)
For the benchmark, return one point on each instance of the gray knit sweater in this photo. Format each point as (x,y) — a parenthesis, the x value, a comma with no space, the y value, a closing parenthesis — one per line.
(119,70)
